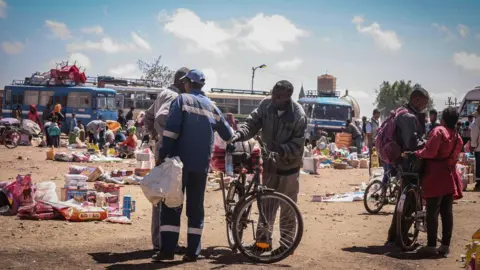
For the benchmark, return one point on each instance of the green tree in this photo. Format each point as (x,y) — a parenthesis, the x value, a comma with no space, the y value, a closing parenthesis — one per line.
(390,96)
(159,74)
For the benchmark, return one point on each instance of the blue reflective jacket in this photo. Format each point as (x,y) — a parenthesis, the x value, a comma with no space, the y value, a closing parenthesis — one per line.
(189,129)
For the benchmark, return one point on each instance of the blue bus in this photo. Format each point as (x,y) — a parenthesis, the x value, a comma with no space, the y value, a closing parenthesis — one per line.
(88,103)
(325,112)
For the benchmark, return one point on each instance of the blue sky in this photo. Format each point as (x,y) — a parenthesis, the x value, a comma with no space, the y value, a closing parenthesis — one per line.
(362,43)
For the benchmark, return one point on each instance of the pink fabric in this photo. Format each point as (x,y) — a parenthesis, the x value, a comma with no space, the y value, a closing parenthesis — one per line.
(440,176)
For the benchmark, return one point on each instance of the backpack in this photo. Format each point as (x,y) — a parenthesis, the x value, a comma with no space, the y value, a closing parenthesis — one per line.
(386,140)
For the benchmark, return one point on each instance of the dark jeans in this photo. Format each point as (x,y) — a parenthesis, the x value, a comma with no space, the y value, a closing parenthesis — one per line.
(388,169)
(439,205)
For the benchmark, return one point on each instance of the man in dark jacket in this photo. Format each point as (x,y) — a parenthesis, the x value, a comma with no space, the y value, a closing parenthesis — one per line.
(282,123)
(188,134)
(129,115)
(356,135)
(409,133)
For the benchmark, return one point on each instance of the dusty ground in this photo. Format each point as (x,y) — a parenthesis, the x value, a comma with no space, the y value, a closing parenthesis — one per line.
(337,235)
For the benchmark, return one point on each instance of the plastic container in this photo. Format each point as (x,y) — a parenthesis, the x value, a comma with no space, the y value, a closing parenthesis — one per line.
(127,206)
(375,161)
(228,164)
(51,153)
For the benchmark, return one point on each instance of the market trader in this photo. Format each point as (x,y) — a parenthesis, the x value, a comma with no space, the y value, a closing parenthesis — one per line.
(188,134)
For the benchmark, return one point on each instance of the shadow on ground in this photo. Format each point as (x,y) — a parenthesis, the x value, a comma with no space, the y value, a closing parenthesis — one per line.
(391,252)
(219,256)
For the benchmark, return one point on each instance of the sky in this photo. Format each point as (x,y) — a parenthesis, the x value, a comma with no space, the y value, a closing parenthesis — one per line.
(432,42)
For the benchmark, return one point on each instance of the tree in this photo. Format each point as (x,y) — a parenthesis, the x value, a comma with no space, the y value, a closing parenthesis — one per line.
(391,96)
(302,93)
(159,74)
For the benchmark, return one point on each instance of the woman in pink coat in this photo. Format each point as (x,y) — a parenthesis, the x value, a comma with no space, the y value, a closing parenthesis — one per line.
(441,183)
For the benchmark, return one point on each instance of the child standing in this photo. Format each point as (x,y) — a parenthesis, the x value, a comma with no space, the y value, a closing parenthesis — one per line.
(53,133)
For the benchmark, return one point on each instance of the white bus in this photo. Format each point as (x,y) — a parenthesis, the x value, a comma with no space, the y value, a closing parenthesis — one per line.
(469,103)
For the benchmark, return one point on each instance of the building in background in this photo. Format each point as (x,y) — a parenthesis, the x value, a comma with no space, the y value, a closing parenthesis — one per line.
(326,83)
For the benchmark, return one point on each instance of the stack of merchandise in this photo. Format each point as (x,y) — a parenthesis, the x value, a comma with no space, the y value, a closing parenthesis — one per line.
(76,181)
(38,211)
(76,187)
(343,140)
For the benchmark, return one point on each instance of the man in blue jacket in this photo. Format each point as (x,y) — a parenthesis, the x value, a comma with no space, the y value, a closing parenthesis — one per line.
(188,134)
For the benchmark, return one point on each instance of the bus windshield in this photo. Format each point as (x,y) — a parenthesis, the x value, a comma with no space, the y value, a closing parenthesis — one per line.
(470,107)
(331,112)
(106,103)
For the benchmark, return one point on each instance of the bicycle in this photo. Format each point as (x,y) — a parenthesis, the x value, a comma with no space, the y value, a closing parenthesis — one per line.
(9,136)
(410,208)
(238,203)
(382,193)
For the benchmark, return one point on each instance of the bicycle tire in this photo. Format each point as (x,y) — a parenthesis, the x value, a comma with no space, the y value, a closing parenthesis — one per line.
(232,190)
(6,136)
(237,221)
(403,204)
(382,197)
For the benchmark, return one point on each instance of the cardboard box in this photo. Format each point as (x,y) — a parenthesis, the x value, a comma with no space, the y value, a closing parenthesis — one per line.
(79,194)
(99,171)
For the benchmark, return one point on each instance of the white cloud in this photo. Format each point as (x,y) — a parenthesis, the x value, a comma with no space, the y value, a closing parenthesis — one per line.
(468,61)
(260,33)
(58,29)
(385,39)
(140,42)
(210,78)
(80,60)
(126,71)
(292,64)
(270,33)
(3,9)
(14,47)
(358,19)
(93,30)
(205,35)
(108,45)
(327,39)
(463,30)
(444,30)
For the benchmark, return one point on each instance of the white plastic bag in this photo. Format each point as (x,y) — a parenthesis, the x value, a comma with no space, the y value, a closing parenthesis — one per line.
(46,192)
(164,182)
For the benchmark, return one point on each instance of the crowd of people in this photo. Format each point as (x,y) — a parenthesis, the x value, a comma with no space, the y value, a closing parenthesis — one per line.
(183,120)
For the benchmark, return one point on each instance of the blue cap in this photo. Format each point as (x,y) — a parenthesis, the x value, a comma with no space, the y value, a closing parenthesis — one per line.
(195,76)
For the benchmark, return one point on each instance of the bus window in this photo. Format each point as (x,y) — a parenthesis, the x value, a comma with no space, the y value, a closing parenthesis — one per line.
(111,103)
(79,100)
(8,97)
(101,103)
(45,97)
(17,99)
(31,97)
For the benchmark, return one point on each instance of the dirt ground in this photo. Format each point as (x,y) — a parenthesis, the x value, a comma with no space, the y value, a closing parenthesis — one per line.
(336,235)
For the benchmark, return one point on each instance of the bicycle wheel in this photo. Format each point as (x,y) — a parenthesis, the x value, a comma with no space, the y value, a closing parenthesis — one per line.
(408,209)
(12,137)
(262,248)
(232,199)
(374,193)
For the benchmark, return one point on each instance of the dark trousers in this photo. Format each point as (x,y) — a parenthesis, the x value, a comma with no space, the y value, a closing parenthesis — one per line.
(477,167)
(194,184)
(439,205)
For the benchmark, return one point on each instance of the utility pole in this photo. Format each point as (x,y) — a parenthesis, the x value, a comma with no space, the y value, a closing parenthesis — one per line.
(253,73)
(451,103)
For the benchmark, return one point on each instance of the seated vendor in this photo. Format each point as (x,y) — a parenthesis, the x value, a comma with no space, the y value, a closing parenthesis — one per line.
(127,148)
(72,137)
(110,138)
